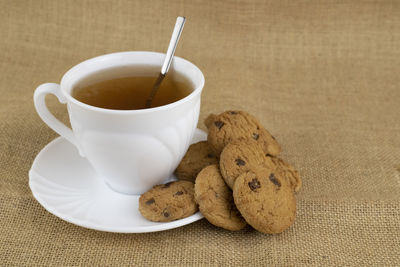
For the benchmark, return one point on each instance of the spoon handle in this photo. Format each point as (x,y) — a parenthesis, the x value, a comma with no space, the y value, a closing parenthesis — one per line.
(180,21)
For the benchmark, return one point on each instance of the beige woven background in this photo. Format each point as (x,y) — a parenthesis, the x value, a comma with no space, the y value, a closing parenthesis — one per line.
(322,76)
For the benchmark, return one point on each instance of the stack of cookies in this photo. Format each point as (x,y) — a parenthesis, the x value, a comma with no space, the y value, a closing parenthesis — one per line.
(235,178)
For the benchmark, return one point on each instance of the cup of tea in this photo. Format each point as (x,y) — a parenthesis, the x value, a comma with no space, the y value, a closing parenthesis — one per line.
(130,147)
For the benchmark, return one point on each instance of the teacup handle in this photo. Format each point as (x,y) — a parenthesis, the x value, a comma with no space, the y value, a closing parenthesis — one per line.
(47,117)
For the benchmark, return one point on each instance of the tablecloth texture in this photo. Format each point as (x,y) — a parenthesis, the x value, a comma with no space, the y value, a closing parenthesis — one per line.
(322,76)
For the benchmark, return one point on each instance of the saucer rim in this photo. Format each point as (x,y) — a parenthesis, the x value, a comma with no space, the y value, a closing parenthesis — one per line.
(161,226)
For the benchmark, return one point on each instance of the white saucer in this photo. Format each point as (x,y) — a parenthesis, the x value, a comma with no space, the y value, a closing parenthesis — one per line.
(66,185)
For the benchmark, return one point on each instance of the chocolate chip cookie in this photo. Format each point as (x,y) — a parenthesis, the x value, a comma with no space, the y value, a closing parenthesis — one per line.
(265,200)
(289,172)
(232,125)
(168,202)
(209,120)
(215,200)
(197,157)
(241,156)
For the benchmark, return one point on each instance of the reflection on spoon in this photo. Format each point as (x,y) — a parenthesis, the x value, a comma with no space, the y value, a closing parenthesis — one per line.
(180,21)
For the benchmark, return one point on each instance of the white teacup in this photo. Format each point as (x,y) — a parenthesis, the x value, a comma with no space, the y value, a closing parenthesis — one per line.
(132,150)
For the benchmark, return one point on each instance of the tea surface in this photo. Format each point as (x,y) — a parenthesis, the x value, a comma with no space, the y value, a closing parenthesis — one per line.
(130,93)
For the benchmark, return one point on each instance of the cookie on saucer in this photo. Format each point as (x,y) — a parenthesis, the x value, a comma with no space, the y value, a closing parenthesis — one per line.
(197,157)
(168,202)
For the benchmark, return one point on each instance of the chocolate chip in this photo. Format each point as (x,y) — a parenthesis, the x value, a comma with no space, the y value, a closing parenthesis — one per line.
(166,212)
(240,162)
(256,136)
(254,184)
(166,185)
(219,124)
(273,179)
(150,201)
(233,112)
(179,193)
(209,155)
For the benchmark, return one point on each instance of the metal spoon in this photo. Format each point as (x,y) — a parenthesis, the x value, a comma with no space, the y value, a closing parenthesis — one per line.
(180,21)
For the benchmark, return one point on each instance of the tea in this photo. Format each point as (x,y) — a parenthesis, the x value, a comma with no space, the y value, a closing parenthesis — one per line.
(128,93)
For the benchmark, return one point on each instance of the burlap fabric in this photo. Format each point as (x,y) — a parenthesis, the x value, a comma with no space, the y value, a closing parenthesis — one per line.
(322,76)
